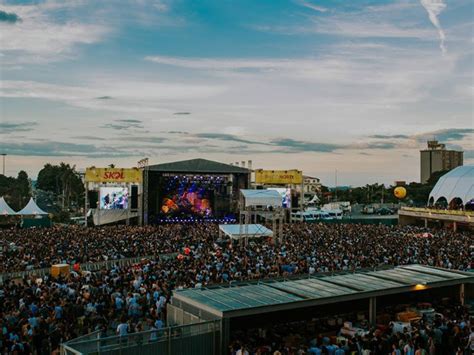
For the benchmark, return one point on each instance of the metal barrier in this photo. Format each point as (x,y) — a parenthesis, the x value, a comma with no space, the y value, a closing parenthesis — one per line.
(100,265)
(436,211)
(193,339)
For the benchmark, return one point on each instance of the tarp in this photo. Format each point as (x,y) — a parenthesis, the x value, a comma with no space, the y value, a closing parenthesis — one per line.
(101,217)
(5,210)
(31,209)
(261,198)
(237,231)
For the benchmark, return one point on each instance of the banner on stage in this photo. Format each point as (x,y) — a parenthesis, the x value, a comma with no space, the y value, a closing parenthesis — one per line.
(132,175)
(279,177)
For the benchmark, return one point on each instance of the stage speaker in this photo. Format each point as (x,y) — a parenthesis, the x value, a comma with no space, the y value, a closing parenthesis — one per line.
(134,197)
(93,197)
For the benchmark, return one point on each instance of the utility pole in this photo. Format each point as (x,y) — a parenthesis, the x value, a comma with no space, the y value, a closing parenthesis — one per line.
(4,155)
(335,189)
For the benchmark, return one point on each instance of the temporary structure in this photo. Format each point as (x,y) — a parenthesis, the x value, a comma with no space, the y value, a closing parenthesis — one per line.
(261,198)
(6,210)
(31,209)
(235,231)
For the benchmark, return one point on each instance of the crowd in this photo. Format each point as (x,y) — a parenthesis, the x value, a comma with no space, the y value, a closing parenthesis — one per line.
(449,333)
(307,247)
(27,249)
(37,314)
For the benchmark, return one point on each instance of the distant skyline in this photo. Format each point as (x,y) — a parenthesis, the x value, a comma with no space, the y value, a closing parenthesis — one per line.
(314,85)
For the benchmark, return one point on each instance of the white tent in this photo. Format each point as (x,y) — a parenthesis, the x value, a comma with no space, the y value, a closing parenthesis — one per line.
(261,198)
(237,231)
(458,183)
(31,209)
(5,210)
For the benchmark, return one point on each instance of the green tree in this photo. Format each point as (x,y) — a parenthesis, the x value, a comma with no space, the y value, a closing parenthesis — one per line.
(64,181)
(16,191)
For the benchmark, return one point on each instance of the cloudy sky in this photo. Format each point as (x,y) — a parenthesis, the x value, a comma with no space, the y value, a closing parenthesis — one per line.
(357,86)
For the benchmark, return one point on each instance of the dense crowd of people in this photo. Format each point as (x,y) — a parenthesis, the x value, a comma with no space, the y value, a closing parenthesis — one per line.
(37,314)
(449,333)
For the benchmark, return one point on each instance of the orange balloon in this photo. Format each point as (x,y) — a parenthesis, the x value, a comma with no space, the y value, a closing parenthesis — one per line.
(400,192)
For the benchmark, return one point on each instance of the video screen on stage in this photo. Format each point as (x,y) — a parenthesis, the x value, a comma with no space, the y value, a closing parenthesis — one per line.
(113,198)
(285,194)
(187,198)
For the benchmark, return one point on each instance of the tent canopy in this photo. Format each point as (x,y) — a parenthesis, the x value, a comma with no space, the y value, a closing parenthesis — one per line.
(261,198)
(237,231)
(5,210)
(32,209)
(458,183)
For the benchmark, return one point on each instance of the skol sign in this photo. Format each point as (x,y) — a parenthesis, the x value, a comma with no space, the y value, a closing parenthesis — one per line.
(113,175)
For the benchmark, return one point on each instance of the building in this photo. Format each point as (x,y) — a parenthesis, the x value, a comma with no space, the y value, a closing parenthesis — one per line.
(312,185)
(438,158)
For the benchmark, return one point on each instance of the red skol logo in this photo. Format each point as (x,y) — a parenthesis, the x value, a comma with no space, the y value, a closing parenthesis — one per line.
(114,175)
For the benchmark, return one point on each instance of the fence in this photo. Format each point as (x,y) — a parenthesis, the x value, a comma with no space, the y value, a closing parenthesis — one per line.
(100,265)
(439,211)
(194,339)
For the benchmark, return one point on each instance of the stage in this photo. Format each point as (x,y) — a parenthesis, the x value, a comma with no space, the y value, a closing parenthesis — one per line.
(193,191)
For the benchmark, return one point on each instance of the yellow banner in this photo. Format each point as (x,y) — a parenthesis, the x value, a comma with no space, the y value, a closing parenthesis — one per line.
(113,175)
(279,177)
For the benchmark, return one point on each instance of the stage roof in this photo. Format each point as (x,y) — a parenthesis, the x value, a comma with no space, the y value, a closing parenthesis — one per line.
(202,166)
(266,296)
(261,198)
(235,231)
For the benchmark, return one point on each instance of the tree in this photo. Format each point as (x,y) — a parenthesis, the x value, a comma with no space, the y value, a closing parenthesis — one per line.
(15,191)
(64,181)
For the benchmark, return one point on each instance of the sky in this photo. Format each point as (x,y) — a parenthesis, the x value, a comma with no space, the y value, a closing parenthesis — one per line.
(317,85)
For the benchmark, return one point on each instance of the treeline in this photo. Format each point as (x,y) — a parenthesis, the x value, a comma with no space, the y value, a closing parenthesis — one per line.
(58,188)
(417,193)
(64,182)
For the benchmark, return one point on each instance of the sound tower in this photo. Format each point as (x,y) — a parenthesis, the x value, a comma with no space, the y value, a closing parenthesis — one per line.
(134,197)
(93,197)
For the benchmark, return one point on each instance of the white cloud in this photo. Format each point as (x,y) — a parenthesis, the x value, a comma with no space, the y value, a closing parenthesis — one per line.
(362,74)
(39,38)
(312,6)
(434,9)
(129,96)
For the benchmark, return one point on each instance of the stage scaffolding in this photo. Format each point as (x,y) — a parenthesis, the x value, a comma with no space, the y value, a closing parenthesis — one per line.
(266,204)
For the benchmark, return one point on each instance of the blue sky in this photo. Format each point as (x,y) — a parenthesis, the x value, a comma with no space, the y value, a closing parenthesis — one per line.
(315,85)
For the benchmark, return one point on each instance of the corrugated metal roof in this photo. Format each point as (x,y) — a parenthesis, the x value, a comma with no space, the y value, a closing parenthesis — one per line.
(268,293)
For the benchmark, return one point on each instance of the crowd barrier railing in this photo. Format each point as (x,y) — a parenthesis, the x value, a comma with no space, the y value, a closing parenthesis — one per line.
(438,211)
(193,339)
(93,266)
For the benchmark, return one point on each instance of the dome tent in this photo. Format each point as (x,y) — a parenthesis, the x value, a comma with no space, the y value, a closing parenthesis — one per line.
(5,209)
(458,184)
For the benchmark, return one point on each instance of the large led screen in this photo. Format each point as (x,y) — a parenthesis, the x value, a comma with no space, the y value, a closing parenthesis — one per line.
(113,198)
(186,198)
